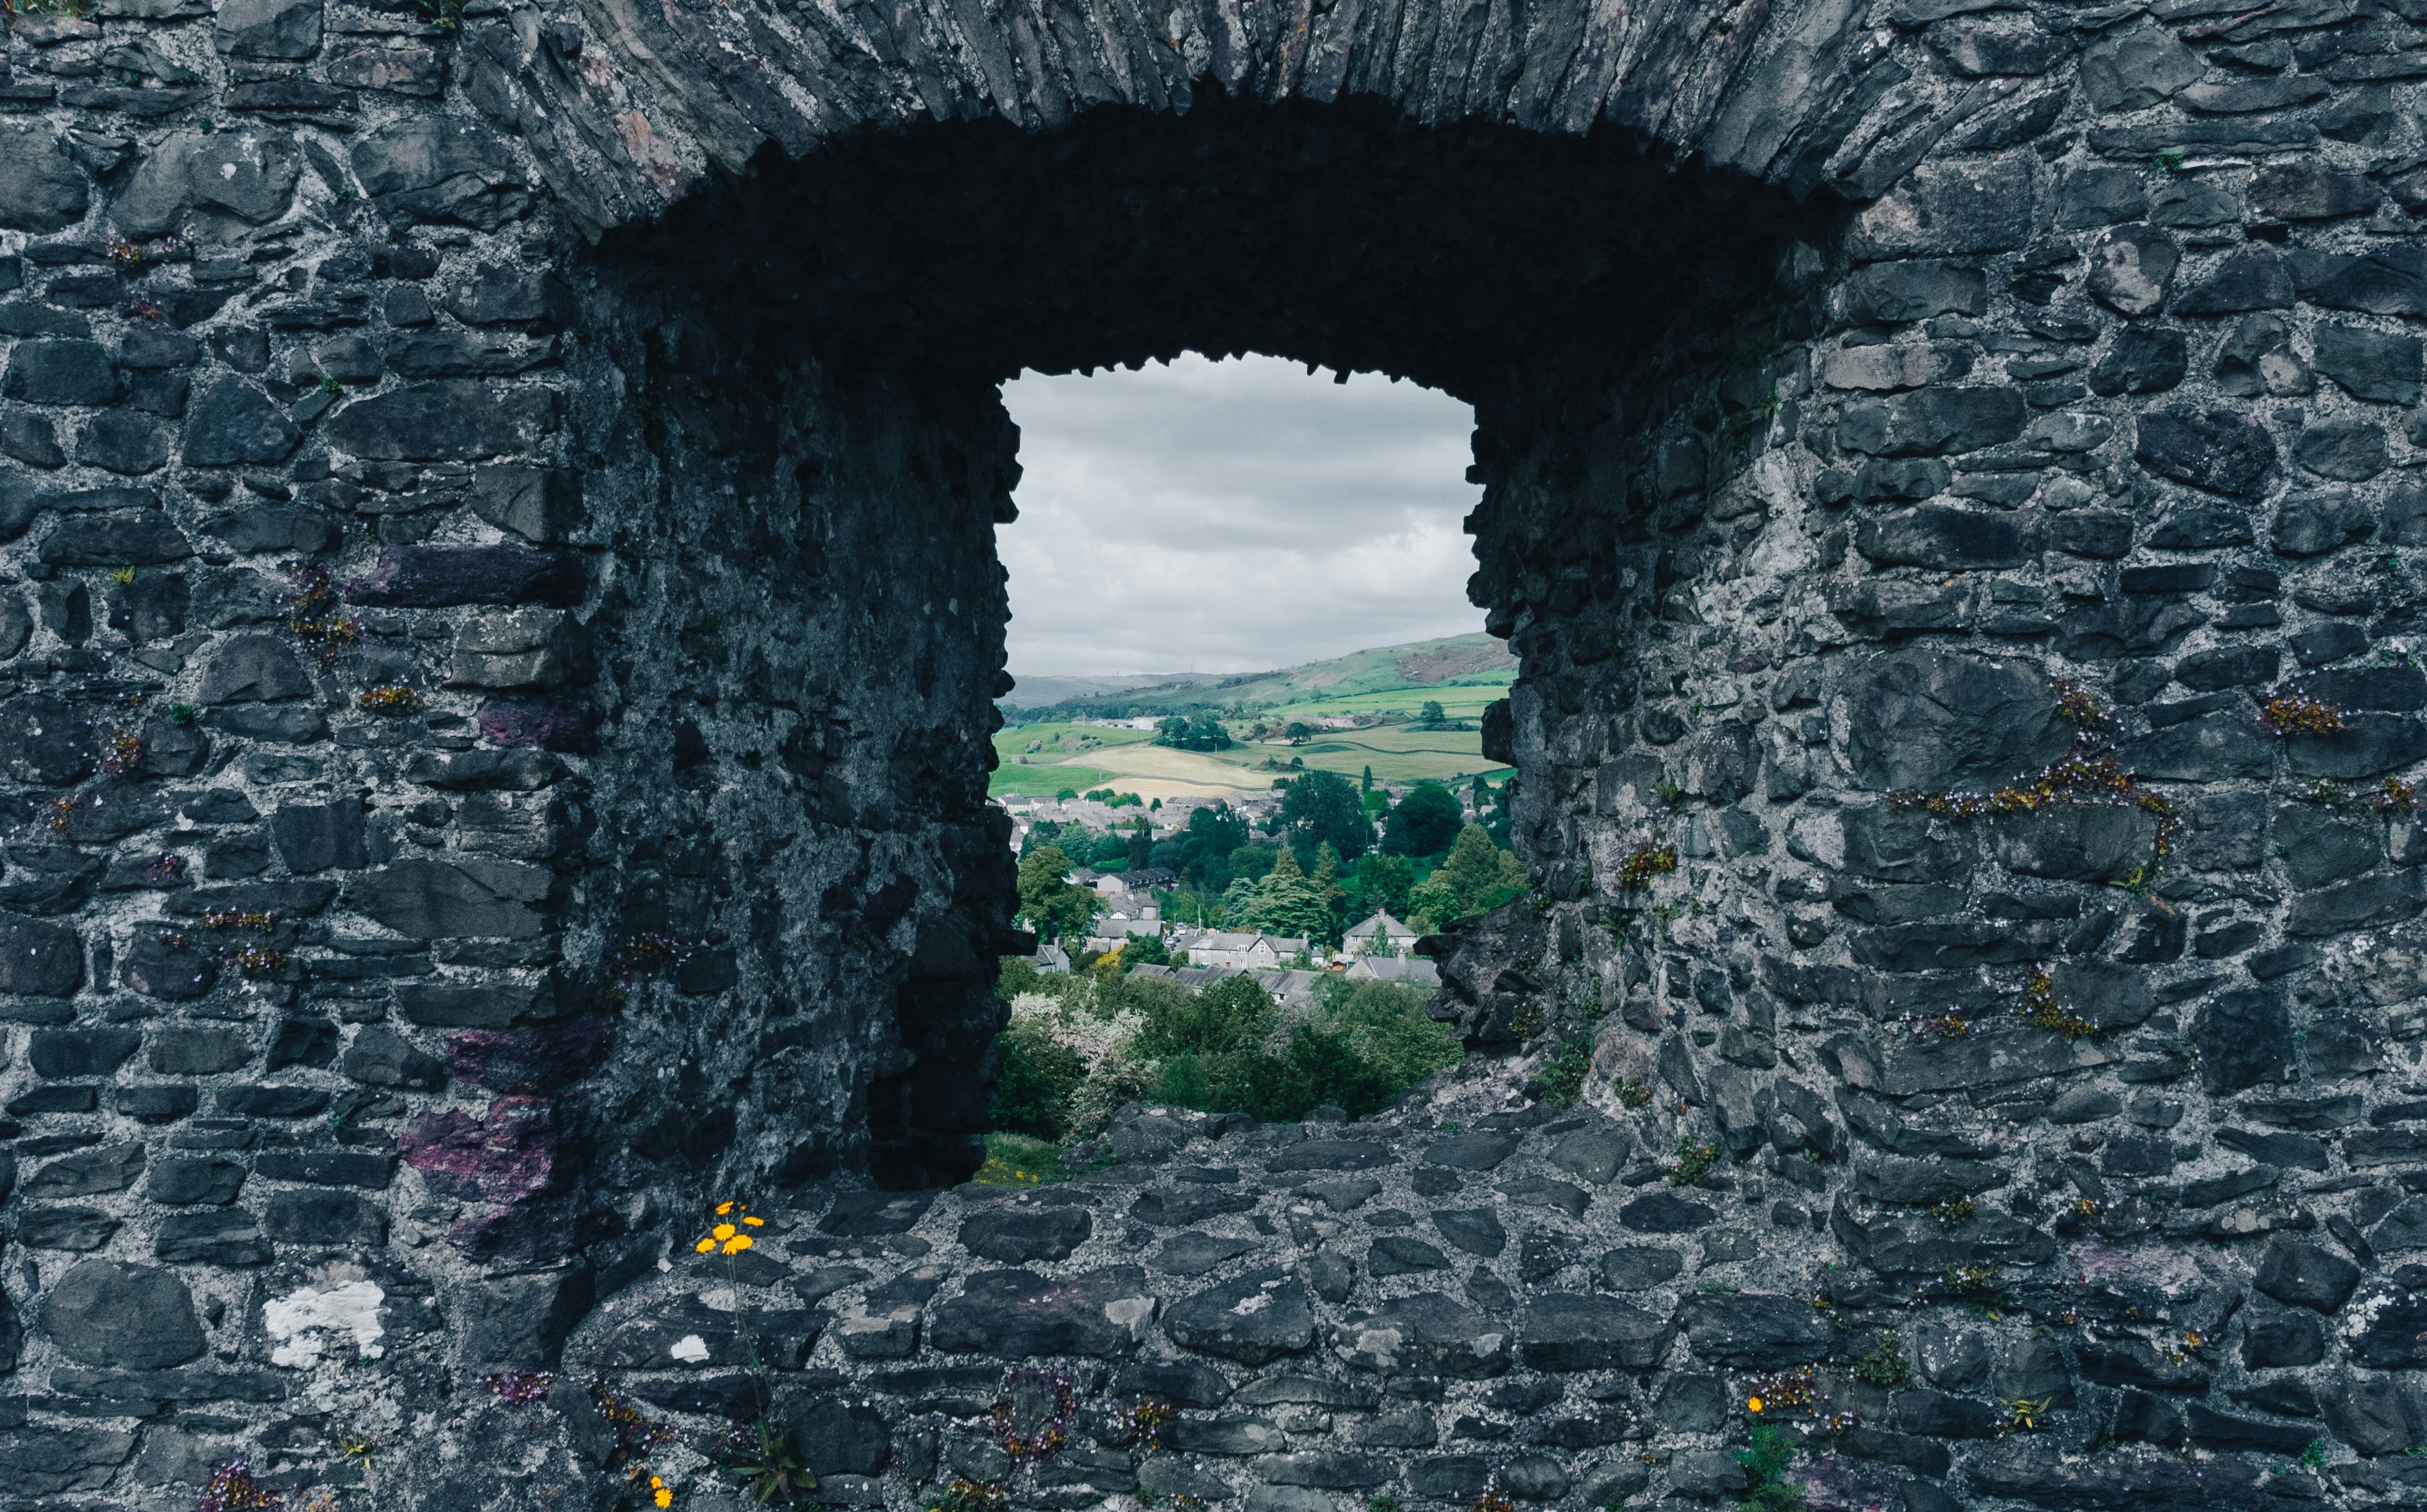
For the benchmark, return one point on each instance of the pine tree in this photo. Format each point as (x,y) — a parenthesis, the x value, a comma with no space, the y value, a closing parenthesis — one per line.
(1475,878)
(1287,901)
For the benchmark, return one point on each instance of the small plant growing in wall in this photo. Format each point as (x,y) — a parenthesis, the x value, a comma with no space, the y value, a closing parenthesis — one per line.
(1139,1420)
(1694,1161)
(962,1494)
(2088,774)
(1886,1364)
(393,699)
(232,1488)
(1773,1396)
(314,617)
(1642,864)
(122,752)
(1563,1076)
(2289,711)
(1764,1463)
(2040,1005)
(1981,1288)
(757,1456)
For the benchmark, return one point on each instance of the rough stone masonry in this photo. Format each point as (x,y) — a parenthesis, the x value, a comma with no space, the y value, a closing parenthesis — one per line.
(497,627)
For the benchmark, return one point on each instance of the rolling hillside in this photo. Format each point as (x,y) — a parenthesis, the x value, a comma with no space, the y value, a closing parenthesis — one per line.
(1456,671)
(1043,752)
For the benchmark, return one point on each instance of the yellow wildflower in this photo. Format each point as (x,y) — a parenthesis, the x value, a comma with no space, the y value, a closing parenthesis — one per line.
(703,1247)
(756,1222)
(724,1208)
(662,1493)
(737,1243)
(722,1230)
(1754,1405)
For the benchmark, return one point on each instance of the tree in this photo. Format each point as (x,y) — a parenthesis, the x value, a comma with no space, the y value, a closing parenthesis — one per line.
(1328,886)
(1145,950)
(1233,1014)
(1380,885)
(1497,818)
(1431,713)
(1034,1075)
(1202,731)
(1424,823)
(1365,785)
(1387,1022)
(1057,908)
(1324,806)
(1214,831)
(1476,877)
(1288,902)
(1298,732)
(1249,863)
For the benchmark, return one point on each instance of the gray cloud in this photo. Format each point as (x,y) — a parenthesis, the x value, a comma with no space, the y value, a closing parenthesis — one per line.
(1232,516)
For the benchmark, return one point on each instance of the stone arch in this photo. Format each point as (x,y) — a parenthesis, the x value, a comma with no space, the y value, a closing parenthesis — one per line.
(959,255)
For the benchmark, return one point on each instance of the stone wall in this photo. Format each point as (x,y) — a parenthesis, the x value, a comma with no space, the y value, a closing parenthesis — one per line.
(497,623)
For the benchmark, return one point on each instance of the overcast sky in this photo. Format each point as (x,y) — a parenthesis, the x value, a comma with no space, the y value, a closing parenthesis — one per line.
(1232,517)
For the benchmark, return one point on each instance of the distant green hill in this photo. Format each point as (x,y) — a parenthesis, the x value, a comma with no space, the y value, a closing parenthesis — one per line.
(1464,668)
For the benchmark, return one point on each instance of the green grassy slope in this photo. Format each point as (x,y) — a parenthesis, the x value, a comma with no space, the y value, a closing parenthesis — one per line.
(1462,672)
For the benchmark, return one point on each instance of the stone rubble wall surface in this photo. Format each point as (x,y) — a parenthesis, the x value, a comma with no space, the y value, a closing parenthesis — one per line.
(496,632)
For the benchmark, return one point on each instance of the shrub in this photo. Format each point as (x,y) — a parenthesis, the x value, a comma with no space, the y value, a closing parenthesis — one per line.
(1388,1021)
(1233,1014)
(1035,1082)
(1070,1062)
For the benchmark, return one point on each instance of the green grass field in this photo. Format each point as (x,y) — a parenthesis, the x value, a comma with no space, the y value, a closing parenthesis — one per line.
(1063,741)
(1092,757)
(1442,755)
(1044,781)
(1459,700)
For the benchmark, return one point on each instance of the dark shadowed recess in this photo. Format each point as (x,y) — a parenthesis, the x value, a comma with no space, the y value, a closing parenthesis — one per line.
(1341,235)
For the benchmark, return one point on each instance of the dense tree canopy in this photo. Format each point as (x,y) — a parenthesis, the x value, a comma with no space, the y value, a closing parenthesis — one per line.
(1201,731)
(1324,806)
(1424,823)
(1056,909)
(1476,877)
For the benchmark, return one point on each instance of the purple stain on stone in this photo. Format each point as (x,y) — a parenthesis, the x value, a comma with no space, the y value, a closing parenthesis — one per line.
(524,1148)
(546,1058)
(569,727)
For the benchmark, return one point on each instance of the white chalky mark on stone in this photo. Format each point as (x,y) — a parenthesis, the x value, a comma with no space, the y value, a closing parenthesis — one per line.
(1132,1313)
(691,1349)
(296,1322)
(1252,1304)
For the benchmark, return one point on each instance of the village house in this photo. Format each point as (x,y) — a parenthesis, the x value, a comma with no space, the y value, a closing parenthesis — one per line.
(1380,934)
(1411,969)
(1291,989)
(1112,930)
(1243,953)
(1137,887)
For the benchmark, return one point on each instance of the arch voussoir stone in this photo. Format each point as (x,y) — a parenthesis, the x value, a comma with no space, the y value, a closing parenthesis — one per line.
(498,628)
